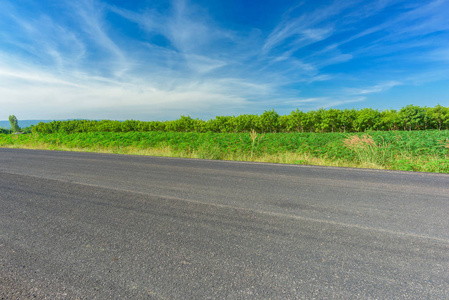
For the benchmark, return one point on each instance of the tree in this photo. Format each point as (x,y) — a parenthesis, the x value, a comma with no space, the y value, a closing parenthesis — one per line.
(246,123)
(14,123)
(346,119)
(311,121)
(183,124)
(389,120)
(329,119)
(292,122)
(440,115)
(412,117)
(224,124)
(367,119)
(269,121)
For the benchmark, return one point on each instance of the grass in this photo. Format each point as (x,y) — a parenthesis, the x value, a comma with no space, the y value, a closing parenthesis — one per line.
(368,151)
(426,151)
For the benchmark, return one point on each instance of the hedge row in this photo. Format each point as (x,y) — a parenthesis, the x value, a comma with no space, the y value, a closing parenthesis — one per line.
(410,117)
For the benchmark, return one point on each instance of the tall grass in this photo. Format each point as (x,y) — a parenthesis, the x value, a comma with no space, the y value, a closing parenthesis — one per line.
(368,151)
(426,151)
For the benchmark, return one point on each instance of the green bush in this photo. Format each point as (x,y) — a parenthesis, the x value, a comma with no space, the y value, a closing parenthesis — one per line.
(332,120)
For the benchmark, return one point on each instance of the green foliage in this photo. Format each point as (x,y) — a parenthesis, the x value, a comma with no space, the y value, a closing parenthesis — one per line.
(346,119)
(408,118)
(269,121)
(425,150)
(14,123)
(367,119)
(412,117)
(329,120)
(389,120)
(246,123)
(292,122)
(439,116)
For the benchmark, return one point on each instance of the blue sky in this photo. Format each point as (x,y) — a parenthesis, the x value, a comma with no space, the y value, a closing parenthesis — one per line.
(157,60)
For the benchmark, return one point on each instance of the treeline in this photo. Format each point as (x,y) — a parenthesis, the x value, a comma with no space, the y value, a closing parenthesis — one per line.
(410,117)
(15,127)
(28,129)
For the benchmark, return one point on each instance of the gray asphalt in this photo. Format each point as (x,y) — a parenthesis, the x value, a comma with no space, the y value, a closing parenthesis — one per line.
(99,226)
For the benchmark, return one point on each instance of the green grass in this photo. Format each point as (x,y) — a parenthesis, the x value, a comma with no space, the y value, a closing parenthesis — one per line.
(426,151)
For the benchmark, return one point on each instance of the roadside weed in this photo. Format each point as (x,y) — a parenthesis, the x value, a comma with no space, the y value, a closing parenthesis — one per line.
(426,151)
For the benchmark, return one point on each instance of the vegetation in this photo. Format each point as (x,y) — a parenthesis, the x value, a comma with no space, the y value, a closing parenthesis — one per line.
(14,123)
(15,128)
(408,118)
(425,150)
(413,138)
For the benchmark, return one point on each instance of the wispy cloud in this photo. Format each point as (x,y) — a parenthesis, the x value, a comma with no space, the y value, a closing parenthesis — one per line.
(91,21)
(77,59)
(373,89)
(395,33)
(305,28)
(34,78)
(316,103)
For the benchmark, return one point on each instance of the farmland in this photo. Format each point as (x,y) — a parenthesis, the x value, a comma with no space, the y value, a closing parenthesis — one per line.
(424,150)
(412,139)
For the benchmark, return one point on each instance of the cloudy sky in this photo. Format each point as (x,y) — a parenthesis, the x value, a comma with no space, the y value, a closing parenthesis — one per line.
(159,59)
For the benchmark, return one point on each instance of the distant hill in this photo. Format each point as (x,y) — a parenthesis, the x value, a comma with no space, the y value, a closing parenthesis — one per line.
(22,123)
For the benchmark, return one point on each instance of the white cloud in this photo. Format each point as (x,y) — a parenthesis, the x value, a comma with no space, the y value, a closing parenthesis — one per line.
(203,64)
(186,63)
(315,103)
(373,89)
(308,27)
(342,101)
(91,21)
(419,20)
(99,102)
(32,78)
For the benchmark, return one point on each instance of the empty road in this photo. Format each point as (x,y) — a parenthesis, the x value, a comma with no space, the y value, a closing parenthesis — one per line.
(99,226)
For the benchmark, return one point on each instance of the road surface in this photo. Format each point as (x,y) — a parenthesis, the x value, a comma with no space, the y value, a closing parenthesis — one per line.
(100,226)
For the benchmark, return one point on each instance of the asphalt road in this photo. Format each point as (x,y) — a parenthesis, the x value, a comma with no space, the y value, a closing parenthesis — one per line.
(98,226)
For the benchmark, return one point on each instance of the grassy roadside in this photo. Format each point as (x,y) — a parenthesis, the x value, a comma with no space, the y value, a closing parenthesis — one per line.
(425,151)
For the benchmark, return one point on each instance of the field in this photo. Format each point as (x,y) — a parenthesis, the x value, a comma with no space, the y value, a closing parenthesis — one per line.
(426,150)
